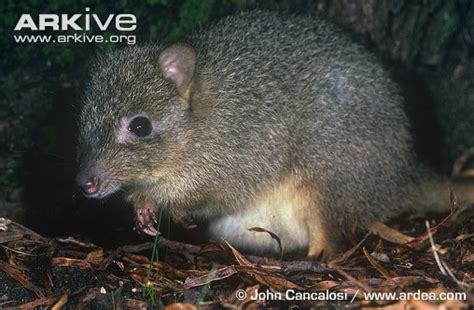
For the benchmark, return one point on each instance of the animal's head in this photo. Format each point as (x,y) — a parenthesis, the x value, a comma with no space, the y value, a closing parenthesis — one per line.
(135,117)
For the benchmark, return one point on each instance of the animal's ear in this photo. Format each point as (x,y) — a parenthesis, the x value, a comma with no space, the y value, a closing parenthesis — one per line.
(177,64)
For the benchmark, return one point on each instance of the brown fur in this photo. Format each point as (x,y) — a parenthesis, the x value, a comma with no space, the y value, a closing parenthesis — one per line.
(289,125)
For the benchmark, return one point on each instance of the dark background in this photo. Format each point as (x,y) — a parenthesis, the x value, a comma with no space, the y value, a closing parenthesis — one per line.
(428,46)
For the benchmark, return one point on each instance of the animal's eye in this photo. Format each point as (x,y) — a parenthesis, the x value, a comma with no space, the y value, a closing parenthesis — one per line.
(141,126)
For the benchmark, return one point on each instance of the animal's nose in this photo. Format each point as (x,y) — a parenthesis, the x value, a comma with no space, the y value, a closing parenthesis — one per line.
(89,180)
(90,186)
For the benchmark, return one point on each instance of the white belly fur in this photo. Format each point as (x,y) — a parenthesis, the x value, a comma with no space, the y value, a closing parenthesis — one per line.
(282,210)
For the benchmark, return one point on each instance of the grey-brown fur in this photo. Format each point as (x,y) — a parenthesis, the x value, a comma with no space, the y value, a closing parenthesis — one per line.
(272,97)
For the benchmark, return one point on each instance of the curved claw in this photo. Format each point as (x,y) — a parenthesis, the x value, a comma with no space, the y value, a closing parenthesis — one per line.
(151,231)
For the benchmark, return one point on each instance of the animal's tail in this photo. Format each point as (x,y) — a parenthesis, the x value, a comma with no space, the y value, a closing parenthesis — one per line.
(433,192)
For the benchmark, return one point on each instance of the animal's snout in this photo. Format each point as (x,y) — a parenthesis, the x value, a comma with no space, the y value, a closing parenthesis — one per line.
(90,186)
(89,182)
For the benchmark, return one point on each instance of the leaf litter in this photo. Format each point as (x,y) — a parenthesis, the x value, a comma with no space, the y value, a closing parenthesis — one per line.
(39,272)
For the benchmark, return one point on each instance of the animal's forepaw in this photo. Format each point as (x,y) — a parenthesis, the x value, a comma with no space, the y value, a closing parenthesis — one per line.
(146,219)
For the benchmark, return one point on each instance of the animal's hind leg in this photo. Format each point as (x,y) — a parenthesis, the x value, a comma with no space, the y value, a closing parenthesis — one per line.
(319,242)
